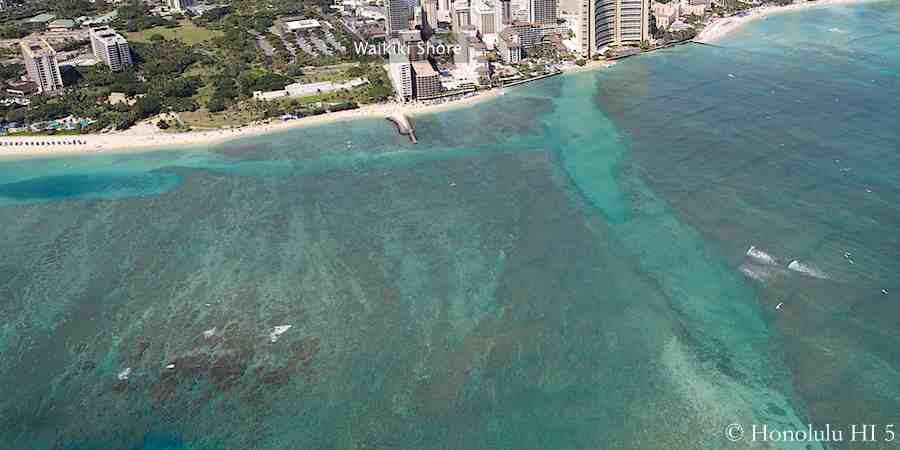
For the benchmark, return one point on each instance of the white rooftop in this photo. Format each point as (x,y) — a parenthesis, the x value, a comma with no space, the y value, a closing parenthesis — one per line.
(305,24)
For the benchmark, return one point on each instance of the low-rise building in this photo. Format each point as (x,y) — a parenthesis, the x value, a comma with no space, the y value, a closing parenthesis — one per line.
(293,26)
(308,89)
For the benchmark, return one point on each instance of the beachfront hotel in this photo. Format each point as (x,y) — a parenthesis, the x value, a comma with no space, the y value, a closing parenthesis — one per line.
(612,22)
(542,12)
(41,65)
(111,48)
(400,70)
(426,81)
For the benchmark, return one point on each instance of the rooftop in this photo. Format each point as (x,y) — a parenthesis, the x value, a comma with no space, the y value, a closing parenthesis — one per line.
(305,24)
(41,18)
(423,69)
(61,23)
(36,48)
(108,35)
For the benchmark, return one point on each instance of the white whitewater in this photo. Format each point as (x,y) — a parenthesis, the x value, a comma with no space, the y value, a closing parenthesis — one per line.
(805,269)
(761,256)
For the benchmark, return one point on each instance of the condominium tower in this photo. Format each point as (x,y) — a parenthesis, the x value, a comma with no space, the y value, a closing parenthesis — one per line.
(397,15)
(41,65)
(613,22)
(111,48)
(542,12)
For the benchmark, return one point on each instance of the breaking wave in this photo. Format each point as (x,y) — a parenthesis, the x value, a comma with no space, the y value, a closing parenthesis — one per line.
(805,269)
(757,272)
(761,256)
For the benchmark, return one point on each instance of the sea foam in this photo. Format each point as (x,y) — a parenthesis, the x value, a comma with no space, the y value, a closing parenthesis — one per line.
(757,272)
(805,269)
(761,256)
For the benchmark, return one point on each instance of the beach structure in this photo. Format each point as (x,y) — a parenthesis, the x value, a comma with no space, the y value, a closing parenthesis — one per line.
(110,47)
(41,65)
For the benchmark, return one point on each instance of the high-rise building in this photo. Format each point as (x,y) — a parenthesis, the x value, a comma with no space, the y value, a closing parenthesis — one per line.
(396,13)
(181,5)
(460,14)
(41,65)
(619,22)
(426,81)
(400,71)
(429,14)
(633,21)
(542,12)
(483,18)
(587,28)
(505,11)
(110,47)
(411,43)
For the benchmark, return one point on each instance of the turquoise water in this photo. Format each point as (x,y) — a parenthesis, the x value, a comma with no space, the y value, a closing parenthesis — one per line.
(563,267)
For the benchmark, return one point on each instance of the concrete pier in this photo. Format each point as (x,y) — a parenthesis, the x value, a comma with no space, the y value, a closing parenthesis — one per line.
(403,126)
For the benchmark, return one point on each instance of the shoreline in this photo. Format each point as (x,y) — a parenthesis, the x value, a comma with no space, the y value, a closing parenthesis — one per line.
(147,137)
(724,26)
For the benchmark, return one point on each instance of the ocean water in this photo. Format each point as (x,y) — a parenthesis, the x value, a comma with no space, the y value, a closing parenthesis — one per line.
(591,261)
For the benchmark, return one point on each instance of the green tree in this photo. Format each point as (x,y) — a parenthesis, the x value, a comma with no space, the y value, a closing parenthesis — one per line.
(147,106)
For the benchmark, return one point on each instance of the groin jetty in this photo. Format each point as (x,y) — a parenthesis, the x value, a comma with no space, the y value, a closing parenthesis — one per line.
(403,126)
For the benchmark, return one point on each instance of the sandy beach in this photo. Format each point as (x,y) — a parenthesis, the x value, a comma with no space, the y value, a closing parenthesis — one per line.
(146,136)
(721,27)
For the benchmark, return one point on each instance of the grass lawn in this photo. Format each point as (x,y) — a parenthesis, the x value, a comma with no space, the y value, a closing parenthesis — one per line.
(203,120)
(186,31)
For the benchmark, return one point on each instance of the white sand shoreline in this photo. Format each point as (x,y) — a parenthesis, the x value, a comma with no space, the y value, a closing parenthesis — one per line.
(146,136)
(722,27)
